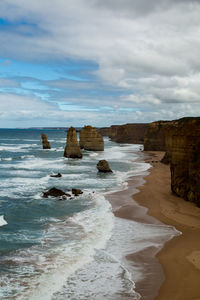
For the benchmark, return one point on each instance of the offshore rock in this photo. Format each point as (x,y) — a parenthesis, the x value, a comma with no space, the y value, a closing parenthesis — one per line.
(127,133)
(45,142)
(103,166)
(183,143)
(54,192)
(72,149)
(77,192)
(56,175)
(91,139)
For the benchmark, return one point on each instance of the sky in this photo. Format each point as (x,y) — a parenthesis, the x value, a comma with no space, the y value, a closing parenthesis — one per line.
(98,62)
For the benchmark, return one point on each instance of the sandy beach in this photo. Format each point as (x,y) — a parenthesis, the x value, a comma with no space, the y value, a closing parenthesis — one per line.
(177,275)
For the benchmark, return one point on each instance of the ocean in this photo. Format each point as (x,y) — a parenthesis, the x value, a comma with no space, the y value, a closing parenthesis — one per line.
(75,248)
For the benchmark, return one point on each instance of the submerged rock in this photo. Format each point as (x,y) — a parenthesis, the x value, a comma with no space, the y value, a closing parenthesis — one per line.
(72,149)
(45,143)
(56,175)
(54,192)
(76,192)
(103,166)
(91,139)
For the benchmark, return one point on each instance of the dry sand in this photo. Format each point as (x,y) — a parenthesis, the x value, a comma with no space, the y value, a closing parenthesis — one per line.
(180,257)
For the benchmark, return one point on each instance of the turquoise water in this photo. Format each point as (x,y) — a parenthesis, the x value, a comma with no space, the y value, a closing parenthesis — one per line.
(52,249)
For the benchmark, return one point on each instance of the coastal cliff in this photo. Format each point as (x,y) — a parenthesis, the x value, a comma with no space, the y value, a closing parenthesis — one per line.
(127,133)
(183,145)
(91,139)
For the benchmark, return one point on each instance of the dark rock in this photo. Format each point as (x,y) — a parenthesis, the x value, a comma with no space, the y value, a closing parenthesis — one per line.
(54,192)
(77,192)
(57,175)
(103,166)
(166,158)
(45,142)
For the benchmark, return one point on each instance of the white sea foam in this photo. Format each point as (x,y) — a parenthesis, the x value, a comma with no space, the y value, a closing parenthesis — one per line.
(2,221)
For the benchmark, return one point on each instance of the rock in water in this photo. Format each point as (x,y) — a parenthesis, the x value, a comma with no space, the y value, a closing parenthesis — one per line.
(45,142)
(54,192)
(56,175)
(103,166)
(76,192)
(72,149)
(91,139)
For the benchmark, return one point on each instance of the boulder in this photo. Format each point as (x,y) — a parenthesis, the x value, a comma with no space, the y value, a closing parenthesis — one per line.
(103,166)
(56,175)
(45,142)
(54,192)
(76,192)
(91,139)
(72,148)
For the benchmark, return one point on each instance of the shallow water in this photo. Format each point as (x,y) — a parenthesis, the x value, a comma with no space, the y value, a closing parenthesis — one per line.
(71,249)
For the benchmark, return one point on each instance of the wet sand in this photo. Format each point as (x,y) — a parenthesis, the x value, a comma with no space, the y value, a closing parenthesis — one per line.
(177,276)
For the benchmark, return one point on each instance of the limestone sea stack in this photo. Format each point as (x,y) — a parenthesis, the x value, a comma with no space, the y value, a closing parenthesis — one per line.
(91,139)
(72,148)
(45,142)
(103,166)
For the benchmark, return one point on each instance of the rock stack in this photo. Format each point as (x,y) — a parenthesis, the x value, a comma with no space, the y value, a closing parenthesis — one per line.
(91,139)
(72,149)
(103,166)
(45,142)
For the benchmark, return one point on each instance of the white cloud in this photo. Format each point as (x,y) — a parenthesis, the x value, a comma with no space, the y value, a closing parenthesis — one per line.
(150,49)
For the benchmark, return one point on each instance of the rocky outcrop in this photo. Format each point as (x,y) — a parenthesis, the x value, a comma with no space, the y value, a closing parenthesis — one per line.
(103,166)
(77,192)
(54,192)
(91,139)
(56,175)
(45,142)
(183,144)
(128,133)
(72,149)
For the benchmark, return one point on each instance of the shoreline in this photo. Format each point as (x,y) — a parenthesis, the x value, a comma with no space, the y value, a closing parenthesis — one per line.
(172,272)
(180,257)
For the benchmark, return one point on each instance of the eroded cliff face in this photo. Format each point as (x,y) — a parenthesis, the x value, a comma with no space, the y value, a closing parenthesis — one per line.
(72,148)
(128,133)
(183,145)
(91,139)
(155,136)
(45,143)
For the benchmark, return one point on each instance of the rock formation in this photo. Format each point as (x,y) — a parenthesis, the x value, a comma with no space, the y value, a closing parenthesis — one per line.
(54,192)
(128,133)
(77,192)
(45,142)
(91,139)
(72,148)
(183,144)
(56,175)
(103,166)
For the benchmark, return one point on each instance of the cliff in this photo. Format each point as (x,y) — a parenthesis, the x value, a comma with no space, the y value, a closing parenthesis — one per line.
(45,142)
(155,136)
(91,139)
(127,133)
(72,148)
(183,145)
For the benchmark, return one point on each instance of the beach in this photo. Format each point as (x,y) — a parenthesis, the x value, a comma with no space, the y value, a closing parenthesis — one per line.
(179,276)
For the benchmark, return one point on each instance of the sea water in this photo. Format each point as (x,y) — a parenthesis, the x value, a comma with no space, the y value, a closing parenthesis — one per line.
(75,248)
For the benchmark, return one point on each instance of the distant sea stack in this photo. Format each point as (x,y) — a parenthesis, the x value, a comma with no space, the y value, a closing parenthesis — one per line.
(45,142)
(72,148)
(128,133)
(91,139)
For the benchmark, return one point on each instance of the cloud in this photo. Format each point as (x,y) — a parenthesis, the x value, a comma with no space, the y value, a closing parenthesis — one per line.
(146,53)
